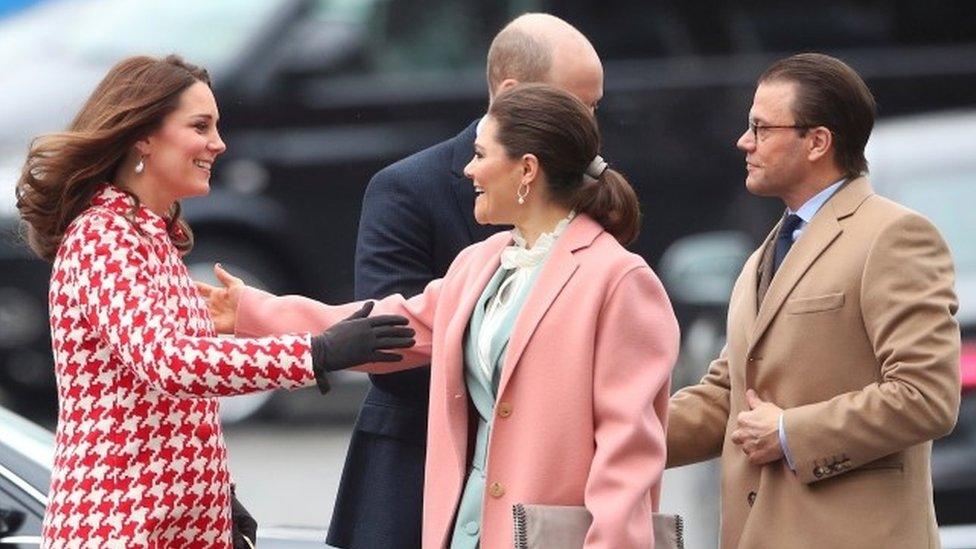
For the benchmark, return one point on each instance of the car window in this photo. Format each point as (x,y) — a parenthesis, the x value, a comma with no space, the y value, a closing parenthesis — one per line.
(32,441)
(947,198)
(101,32)
(13,498)
(638,28)
(428,34)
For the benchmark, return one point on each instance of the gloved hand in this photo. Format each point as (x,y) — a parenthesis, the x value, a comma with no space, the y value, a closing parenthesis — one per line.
(359,339)
(244,529)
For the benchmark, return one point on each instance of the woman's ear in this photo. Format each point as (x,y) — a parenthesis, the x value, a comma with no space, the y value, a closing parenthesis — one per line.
(143,147)
(530,168)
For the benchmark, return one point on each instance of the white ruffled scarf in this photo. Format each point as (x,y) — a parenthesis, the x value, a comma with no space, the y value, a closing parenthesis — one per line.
(522,261)
(518,255)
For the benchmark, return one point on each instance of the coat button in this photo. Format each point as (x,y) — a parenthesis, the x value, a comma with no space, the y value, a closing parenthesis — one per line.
(496,490)
(751,498)
(458,396)
(203,432)
(471,528)
(504,409)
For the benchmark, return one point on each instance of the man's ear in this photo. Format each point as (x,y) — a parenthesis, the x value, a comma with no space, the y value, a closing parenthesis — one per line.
(821,143)
(504,86)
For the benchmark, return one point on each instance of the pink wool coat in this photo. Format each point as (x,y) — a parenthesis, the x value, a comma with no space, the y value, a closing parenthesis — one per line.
(583,395)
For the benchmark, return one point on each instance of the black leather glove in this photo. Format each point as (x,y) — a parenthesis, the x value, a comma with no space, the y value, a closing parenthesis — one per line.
(359,339)
(244,529)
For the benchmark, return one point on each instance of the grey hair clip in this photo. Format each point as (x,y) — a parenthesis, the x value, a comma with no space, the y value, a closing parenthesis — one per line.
(596,168)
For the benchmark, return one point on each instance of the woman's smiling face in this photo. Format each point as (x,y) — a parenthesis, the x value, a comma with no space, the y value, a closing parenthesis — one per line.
(496,178)
(183,150)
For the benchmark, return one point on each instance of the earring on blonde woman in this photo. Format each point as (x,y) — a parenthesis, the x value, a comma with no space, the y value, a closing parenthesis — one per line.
(141,165)
(521,195)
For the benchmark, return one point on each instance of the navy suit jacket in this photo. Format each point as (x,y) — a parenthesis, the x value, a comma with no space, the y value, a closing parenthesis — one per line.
(417,215)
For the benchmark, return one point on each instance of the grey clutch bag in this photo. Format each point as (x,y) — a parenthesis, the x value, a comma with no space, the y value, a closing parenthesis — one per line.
(564,527)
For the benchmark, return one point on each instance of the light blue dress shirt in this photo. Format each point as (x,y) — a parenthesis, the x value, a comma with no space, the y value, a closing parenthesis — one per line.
(805,213)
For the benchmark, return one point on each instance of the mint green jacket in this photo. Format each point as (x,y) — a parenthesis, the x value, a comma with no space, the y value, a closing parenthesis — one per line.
(483,392)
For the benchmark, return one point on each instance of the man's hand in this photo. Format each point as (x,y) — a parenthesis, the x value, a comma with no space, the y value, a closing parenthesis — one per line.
(757,432)
(222,302)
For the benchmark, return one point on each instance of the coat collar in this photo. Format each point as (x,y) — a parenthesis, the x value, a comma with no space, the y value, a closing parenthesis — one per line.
(555,273)
(463,149)
(116,200)
(822,231)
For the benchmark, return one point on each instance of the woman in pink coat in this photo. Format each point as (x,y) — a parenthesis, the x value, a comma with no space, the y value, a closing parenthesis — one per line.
(551,346)
(139,458)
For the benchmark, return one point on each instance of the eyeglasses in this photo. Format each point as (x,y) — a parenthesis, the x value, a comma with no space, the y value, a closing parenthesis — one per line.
(754,128)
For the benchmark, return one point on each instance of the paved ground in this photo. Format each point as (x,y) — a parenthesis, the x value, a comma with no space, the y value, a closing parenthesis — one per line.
(288,475)
(287,466)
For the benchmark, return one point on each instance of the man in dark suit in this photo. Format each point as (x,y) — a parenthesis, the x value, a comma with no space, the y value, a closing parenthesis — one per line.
(417,215)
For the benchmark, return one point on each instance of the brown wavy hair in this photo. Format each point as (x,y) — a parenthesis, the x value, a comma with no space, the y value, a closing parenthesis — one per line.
(63,170)
(563,134)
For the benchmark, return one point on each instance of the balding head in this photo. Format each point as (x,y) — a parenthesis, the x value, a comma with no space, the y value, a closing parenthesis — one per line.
(537,47)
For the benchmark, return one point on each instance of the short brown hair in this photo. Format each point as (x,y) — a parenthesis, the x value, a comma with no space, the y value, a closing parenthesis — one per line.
(63,170)
(516,54)
(562,133)
(829,93)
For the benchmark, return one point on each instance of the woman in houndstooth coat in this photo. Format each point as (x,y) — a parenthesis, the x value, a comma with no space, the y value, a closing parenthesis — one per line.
(140,460)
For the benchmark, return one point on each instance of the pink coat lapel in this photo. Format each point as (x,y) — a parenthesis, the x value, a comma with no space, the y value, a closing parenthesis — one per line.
(556,272)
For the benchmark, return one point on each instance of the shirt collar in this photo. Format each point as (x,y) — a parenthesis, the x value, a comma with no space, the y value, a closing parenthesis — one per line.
(114,199)
(812,206)
(517,255)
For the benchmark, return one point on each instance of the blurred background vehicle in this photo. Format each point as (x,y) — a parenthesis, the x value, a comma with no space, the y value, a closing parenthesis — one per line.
(928,163)
(317,95)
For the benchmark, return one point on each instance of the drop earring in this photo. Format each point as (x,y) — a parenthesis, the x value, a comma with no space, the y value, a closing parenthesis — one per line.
(521,195)
(141,166)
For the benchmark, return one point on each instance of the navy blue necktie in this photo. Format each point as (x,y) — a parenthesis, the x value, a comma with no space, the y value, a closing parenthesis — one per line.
(784,239)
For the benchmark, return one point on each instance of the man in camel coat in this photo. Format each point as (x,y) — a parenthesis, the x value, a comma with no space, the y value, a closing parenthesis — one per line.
(842,357)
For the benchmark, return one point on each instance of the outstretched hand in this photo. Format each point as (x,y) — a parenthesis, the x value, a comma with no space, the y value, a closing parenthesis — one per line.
(359,339)
(222,301)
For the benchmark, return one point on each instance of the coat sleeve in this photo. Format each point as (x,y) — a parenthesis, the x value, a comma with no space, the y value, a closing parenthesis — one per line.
(698,415)
(636,348)
(393,249)
(126,309)
(908,306)
(262,314)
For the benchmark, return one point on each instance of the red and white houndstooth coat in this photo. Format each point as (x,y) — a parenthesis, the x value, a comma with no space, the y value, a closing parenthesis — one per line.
(140,460)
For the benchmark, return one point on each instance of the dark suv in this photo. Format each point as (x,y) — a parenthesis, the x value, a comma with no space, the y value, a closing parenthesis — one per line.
(317,95)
